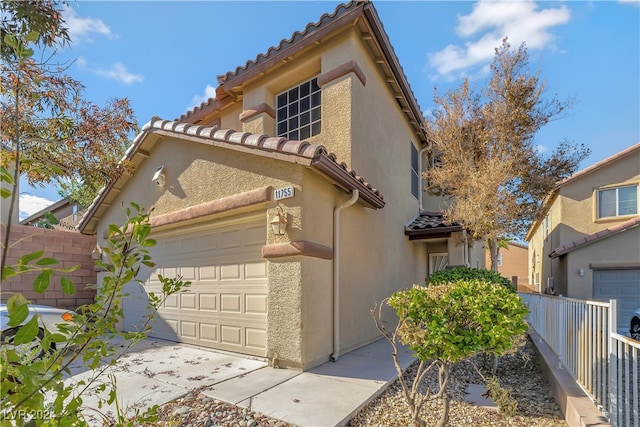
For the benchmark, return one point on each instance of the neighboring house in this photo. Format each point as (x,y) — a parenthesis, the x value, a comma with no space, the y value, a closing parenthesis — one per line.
(587,242)
(287,246)
(513,264)
(67,213)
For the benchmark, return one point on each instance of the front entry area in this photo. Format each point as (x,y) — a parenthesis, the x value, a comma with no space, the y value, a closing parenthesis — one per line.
(226,305)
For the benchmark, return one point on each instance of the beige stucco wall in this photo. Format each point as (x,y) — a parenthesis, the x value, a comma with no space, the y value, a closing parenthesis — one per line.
(618,250)
(363,126)
(573,215)
(514,263)
(197,173)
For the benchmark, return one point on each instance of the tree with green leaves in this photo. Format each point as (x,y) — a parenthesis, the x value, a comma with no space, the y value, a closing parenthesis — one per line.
(51,133)
(485,161)
(49,130)
(32,381)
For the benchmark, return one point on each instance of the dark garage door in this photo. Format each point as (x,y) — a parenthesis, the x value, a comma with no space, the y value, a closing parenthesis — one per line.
(621,285)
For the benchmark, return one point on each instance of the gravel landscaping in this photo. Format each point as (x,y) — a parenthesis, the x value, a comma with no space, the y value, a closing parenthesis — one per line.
(518,372)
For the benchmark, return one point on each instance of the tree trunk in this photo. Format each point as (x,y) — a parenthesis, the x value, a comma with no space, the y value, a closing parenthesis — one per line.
(443,377)
(492,244)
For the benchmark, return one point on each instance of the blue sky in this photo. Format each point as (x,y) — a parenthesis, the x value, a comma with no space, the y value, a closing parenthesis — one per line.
(165,56)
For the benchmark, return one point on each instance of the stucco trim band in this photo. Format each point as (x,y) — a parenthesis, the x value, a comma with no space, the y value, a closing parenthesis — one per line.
(237,201)
(258,109)
(301,247)
(342,70)
(615,265)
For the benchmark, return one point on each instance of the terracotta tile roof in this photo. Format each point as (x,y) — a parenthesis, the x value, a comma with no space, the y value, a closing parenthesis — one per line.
(311,28)
(300,152)
(344,14)
(587,240)
(430,225)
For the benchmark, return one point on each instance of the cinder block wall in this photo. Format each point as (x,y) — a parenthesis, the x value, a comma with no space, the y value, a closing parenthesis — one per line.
(68,247)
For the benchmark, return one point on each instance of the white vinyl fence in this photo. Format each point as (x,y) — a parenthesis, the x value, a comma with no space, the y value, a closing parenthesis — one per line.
(584,336)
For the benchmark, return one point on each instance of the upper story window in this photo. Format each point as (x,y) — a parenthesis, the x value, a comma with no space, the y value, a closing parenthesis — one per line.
(499,260)
(298,114)
(546,227)
(618,201)
(415,174)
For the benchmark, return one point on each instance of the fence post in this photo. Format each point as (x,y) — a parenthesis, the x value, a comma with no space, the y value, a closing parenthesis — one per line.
(613,363)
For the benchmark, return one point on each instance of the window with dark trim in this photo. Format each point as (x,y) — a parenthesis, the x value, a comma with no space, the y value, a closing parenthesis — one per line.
(618,201)
(298,111)
(415,174)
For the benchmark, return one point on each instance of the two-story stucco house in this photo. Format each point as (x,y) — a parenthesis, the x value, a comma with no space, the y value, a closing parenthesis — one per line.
(291,200)
(587,243)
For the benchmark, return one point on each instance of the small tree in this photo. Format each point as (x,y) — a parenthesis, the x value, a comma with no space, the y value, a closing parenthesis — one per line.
(486,162)
(29,378)
(446,323)
(49,131)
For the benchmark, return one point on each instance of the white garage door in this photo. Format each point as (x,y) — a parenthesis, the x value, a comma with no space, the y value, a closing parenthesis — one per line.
(226,304)
(621,285)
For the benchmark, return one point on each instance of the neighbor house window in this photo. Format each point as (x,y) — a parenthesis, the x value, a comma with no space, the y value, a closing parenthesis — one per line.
(546,227)
(298,114)
(499,260)
(415,174)
(618,201)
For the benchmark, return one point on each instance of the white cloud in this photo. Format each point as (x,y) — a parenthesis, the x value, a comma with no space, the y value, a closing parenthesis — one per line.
(542,149)
(81,28)
(117,72)
(209,92)
(630,2)
(490,22)
(30,204)
(120,73)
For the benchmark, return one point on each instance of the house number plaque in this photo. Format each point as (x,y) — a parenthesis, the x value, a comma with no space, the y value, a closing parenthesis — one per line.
(283,193)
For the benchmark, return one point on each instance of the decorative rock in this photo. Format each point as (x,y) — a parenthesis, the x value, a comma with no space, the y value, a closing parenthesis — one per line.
(182,410)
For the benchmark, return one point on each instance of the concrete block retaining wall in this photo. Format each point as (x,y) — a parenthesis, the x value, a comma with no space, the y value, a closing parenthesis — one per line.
(69,247)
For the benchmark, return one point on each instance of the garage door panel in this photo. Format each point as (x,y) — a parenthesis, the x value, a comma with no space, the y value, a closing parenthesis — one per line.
(255,338)
(225,306)
(208,302)
(172,301)
(207,274)
(230,272)
(209,332)
(188,329)
(621,285)
(230,335)
(255,270)
(255,304)
(188,301)
(230,303)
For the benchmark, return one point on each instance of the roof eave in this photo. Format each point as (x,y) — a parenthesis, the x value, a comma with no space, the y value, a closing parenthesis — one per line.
(347,181)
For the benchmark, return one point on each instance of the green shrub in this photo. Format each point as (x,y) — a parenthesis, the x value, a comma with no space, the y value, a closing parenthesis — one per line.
(465,273)
(454,321)
(448,322)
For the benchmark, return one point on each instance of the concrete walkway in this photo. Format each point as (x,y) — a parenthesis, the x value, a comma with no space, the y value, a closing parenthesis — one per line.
(157,371)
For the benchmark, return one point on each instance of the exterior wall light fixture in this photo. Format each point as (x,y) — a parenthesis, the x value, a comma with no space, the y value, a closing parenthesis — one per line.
(159,176)
(279,223)
(581,272)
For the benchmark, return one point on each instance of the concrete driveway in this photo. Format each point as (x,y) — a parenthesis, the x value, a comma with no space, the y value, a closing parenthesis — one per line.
(156,371)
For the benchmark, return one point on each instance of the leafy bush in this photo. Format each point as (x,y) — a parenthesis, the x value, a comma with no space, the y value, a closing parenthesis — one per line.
(448,322)
(36,385)
(465,273)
